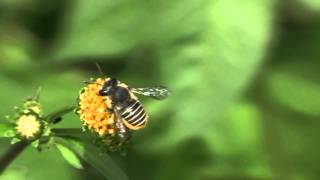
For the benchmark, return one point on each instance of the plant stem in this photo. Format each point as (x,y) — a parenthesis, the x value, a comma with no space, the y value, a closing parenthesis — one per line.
(14,151)
(59,113)
(66,131)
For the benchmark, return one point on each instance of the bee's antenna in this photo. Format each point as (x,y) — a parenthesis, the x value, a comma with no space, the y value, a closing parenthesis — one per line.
(99,69)
(87,82)
(36,96)
(39,90)
(90,82)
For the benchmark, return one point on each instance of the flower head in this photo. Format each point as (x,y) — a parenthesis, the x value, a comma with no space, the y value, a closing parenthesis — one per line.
(28,126)
(93,109)
(96,113)
(28,120)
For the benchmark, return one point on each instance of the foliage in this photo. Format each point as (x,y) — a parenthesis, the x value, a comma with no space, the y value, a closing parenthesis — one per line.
(244,77)
(69,156)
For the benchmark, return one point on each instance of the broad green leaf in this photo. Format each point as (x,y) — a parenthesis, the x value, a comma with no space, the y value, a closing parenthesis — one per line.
(95,157)
(97,28)
(6,130)
(208,73)
(69,156)
(125,28)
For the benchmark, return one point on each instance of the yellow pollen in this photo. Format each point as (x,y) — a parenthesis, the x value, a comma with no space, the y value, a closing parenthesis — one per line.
(93,109)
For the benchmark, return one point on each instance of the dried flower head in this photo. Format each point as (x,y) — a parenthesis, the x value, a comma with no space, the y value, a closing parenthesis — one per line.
(93,109)
(28,126)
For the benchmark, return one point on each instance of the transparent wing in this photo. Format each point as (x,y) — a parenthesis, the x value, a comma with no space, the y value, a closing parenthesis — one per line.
(156,92)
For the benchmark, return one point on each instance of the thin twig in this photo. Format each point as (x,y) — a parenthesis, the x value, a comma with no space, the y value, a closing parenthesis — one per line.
(14,151)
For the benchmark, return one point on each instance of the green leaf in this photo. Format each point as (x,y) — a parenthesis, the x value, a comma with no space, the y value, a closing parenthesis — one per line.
(294,80)
(69,156)
(15,140)
(295,92)
(312,4)
(16,173)
(97,28)
(35,144)
(6,130)
(208,73)
(97,159)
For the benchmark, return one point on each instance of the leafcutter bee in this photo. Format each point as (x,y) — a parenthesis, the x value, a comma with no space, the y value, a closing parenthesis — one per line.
(130,113)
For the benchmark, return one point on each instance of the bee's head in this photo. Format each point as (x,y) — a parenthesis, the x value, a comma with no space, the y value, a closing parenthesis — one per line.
(108,87)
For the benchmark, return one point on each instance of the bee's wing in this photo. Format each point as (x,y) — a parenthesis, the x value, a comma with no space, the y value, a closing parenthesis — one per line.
(156,92)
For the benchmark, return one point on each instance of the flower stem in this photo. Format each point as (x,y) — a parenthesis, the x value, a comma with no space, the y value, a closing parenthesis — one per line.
(51,118)
(14,151)
(66,131)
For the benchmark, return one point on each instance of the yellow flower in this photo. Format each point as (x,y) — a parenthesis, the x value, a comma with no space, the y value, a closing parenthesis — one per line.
(93,109)
(28,126)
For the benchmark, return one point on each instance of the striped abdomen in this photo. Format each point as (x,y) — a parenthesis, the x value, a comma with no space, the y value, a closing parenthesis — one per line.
(134,116)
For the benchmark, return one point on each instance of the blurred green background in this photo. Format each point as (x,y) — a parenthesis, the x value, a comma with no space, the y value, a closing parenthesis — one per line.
(244,76)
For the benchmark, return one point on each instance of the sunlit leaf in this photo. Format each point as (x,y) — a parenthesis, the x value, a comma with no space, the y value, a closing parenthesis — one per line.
(97,159)
(208,74)
(97,28)
(35,144)
(69,156)
(15,140)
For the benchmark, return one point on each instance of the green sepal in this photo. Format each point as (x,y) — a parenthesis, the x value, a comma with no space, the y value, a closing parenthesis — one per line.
(35,144)
(15,140)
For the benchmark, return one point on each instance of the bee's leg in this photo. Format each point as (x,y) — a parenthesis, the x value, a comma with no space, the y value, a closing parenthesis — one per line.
(123,132)
(110,110)
(91,81)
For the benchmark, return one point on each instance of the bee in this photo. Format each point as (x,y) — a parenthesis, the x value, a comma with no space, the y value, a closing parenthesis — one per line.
(130,113)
